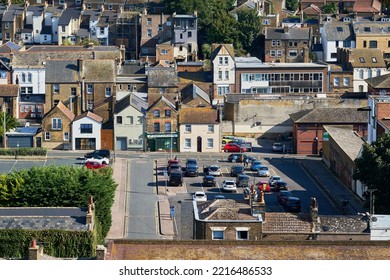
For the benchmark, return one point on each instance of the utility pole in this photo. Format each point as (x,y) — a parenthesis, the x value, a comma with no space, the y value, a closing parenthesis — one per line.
(372,200)
(155,162)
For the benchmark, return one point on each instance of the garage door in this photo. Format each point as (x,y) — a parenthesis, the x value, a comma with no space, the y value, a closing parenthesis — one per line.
(120,143)
(23,141)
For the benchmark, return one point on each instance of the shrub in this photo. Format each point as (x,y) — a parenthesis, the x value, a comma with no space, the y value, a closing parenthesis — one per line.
(23,152)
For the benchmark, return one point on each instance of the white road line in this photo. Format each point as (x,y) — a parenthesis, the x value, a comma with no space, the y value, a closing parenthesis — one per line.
(218,187)
(13,166)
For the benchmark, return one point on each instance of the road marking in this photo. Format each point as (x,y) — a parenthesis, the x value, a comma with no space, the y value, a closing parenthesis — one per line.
(218,187)
(13,167)
(185,187)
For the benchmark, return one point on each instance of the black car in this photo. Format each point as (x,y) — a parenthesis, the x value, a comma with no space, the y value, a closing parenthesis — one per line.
(242,180)
(237,157)
(209,181)
(280,185)
(176,178)
(236,170)
(192,170)
(293,204)
(101,153)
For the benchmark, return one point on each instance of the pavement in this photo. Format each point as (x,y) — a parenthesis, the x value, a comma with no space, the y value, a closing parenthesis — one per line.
(335,190)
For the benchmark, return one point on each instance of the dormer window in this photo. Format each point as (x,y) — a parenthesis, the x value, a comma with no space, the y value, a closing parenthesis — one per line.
(362,60)
(367,29)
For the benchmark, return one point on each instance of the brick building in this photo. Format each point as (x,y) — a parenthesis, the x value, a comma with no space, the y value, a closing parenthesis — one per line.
(307,131)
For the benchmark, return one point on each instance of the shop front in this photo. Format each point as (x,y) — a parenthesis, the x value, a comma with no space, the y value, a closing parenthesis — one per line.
(162,142)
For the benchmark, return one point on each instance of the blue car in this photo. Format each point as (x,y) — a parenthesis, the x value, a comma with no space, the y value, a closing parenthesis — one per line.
(255,165)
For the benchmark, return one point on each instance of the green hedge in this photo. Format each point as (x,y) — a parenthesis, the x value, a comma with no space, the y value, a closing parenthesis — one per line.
(23,152)
(14,243)
(62,186)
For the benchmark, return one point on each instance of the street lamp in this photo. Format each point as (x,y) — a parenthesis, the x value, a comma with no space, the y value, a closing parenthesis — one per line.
(171,143)
(372,200)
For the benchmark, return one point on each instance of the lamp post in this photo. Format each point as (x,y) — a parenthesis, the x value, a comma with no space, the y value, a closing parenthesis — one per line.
(171,143)
(372,200)
(4,127)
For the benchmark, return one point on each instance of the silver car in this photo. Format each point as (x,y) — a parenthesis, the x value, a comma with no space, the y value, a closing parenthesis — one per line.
(214,170)
(263,171)
(229,186)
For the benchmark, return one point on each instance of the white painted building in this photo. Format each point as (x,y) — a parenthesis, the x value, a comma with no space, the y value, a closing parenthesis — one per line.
(377,105)
(86,132)
(336,35)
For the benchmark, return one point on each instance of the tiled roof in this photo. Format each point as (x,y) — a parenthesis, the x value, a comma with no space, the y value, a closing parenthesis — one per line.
(312,10)
(40,218)
(65,110)
(162,77)
(286,222)
(367,58)
(346,139)
(9,90)
(225,210)
(385,123)
(338,31)
(217,48)
(153,99)
(100,70)
(382,81)
(198,116)
(342,224)
(88,114)
(330,115)
(367,6)
(302,33)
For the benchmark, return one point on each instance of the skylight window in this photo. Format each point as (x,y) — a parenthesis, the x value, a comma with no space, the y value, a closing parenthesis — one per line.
(367,29)
(362,60)
(374,60)
(339,29)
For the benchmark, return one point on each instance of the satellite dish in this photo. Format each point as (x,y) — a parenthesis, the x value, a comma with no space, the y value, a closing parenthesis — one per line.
(374,219)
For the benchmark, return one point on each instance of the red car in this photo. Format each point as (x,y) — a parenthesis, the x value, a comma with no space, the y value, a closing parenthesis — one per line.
(173,161)
(94,165)
(264,186)
(232,147)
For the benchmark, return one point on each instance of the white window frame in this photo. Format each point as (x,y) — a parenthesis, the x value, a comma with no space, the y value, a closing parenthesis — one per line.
(47,135)
(226,59)
(242,229)
(66,136)
(187,128)
(90,88)
(187,143)
(108,92)
(129,120)
(210,128)
(346,81)
(210,143)
(279,53)
(220,60)
(291,52)
(336,81)
(218,229)
(272,53)
(56,89)
(56,124)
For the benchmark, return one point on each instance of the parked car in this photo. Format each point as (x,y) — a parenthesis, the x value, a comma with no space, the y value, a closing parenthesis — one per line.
(293,204)
(214,170)
(283,196)
(280,185)
(227,139)
(229,185)
(176,178)
(263,171)
(251,159)
(273,180)
(101,153)
(99,159)
(199,196)
(242,181)
(192,170)
(255,165)
(277,147)
(209,181)
(236,170)
(174,166)
(232,147)
(237,157)
(263,186)
(173,161)
(192,167)
(94,165)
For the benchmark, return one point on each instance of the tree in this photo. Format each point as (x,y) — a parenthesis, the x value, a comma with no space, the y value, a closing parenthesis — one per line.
(330,8)
(249,27)
(373,169)
(206,51)
(10,123)
(292,5)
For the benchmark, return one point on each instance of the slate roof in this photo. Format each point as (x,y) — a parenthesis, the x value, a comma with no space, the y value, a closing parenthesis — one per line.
(68,15)
(286,222)
(330,115)
(40,218)
(382,81)
(11,46)
(191,91)
(162,77)
(130,100)
(46,30)
(342,224)
(36,10)
(385,123)
(88,114)
(346,139)
(198,116)
(62,71)
(375,27)
(9,90)
(338,31)
(272,33)
(24,131)
(364,58)
(225,210)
